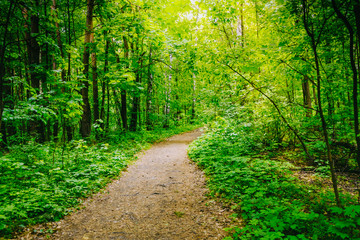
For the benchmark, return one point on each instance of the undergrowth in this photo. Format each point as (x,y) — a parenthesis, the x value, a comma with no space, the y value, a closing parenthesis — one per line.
(263,193)
(41,183)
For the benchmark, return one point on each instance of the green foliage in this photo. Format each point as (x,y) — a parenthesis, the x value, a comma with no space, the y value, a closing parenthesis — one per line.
(263,192)
(40,183)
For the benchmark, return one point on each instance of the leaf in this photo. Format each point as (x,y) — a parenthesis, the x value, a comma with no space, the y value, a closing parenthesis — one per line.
(179,214)
(336,210)
(352,211)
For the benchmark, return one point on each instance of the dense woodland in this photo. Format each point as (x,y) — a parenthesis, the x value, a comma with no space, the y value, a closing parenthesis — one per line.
(80,79)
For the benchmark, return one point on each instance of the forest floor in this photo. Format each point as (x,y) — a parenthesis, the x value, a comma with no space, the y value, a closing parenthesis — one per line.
(348,182)
(161,196)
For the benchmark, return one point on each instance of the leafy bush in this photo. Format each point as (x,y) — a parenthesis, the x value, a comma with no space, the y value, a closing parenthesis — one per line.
(263,192)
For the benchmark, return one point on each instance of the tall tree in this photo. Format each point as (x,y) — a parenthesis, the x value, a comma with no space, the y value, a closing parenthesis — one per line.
(86,115)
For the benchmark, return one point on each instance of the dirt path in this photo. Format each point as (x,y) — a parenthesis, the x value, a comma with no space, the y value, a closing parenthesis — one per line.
(161,196)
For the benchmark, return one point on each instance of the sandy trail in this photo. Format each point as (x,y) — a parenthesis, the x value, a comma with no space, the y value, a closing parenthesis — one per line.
(161,196)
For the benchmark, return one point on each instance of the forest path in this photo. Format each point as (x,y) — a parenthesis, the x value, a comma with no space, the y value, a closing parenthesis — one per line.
(161,196)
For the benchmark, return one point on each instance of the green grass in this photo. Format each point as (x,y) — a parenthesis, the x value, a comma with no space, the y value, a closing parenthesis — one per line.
(272,203)
(41,183)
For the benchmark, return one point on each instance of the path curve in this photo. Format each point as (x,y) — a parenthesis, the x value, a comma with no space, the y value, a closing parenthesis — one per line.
(161,196)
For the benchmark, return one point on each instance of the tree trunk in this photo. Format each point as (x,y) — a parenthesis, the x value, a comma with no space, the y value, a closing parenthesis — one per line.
(85,128)
(58,39)
(117,108)
(2,61)
(135,107)
(194,99)
(167,107)
(103,85)
(95,84)
(123,91)
(307,96)
(136,98)
(124,109)
(353,67)
(355,85)
(322,117)
(34,53)
(149,94)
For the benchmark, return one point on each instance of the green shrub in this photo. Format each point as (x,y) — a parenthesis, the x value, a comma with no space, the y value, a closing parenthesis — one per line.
(272,203)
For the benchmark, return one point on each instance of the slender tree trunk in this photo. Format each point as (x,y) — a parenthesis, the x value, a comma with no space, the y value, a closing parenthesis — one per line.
(34,50)
(194,99)
(85,129)
(35,74)
(117,108)
(44,128)
(167,107)
(240,38)
(322,117)
(107,124)
(353,68)
(355,84)
(63,72)
(2,61)
(58,39)
(95,85)
(136,98)
(124,109)
(135,107)
(149,94)
(123,91)
(103,85)
(69,39)
(307,96)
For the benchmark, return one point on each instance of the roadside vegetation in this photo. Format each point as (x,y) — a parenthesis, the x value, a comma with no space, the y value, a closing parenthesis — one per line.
(263,191)
(42,183)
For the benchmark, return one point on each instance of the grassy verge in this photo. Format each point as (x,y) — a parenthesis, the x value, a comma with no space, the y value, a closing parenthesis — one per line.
(41,183)
(271,201)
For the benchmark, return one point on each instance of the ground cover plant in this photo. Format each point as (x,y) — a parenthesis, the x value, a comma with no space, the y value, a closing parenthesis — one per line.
(264,193)
(41,182)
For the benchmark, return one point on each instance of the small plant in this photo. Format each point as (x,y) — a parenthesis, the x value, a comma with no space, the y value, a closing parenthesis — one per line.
(179,214)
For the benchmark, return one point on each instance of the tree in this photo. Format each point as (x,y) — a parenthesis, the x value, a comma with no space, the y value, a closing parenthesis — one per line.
(86,115)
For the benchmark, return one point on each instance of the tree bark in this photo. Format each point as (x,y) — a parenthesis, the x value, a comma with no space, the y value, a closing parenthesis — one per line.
(85,128)
(58,39)
(149,94)
(95,83)
(167,107)
(34,51)
(123,91)
(355,85)
(136,98)
(124,109)
(2,61)
(194,98)
(307,96)
(117,108)
(104,82)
